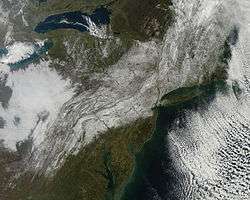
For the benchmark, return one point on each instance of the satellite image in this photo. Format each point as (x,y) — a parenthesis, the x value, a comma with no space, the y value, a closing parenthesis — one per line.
(124,99)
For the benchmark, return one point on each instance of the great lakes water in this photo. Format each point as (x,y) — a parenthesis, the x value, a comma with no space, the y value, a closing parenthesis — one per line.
(74,20)
(3,52)
(38,51)
(68,20)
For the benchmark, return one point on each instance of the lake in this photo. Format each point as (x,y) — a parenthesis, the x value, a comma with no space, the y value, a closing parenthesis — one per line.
(74,20)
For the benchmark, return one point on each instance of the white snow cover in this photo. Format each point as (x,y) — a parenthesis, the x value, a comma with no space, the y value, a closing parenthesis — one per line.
(128,91)
(96,31)
(130,88)
(5,24)
(4,14)
(205,150)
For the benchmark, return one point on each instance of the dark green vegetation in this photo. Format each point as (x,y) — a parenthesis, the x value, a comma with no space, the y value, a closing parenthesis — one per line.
(181,95)
(7,163)
(98,172)
(186,94)
(125,162)
(141,19)
(84,54)
(56,6)
(120,163)
(102,168)
(105,168)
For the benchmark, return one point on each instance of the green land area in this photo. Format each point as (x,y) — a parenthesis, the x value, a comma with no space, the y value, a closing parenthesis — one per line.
(113,165)
(130,21)
(104,168)
(98,172)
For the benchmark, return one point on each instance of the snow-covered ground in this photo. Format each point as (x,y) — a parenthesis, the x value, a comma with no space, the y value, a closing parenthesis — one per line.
(128,90)
(42,105)
(214,142)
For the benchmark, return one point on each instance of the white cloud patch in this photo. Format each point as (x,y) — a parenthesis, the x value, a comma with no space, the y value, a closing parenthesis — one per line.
(35,90)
